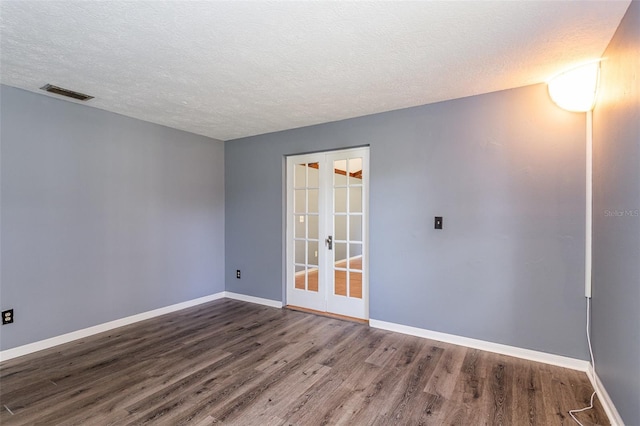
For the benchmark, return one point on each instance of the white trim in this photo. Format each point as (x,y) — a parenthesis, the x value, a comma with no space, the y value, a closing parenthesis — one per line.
(531,355)
(305,271)
(322,299)
(253,299)
(335,264)
(609,408)
(86,332)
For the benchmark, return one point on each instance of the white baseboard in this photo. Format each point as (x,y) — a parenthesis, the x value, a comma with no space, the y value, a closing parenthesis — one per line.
(253,299)
(605,399)
(86,332)
(531,355)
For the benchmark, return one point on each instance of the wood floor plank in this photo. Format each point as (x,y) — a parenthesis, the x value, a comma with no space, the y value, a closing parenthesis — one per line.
(445,376)
(384,389)
(218,371)
(339,396)
(152,380)
(410,402)
(473,376)
(272,403)
(234,408)
(384,352)
(192,406)
(501,383)
(284,356)
(237,363)
(583,389)
(309,407)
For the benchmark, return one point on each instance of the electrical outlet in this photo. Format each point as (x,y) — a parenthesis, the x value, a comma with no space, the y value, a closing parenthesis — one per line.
(238,273)
(7,316)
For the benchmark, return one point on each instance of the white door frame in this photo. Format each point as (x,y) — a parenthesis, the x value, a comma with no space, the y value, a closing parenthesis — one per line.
(324,299)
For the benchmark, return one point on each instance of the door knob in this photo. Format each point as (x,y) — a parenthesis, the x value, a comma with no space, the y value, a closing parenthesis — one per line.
(329,242)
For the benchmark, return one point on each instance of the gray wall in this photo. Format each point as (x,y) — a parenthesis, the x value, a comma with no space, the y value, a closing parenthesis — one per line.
(103,216)
(616,231)
(506,170)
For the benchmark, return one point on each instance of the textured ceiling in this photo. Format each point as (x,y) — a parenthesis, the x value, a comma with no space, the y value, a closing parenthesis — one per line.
(228,69)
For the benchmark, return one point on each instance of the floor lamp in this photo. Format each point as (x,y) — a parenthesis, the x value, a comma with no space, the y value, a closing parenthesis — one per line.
(575,90)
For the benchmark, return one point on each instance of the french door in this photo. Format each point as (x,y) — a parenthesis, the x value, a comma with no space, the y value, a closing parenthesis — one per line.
(327,232)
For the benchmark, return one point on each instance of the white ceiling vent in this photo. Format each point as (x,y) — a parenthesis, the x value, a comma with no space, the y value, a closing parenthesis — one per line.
(66,92)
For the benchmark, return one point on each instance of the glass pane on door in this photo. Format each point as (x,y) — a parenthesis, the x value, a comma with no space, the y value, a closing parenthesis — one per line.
(300,278)
(306,198)
(313,201)
(313,226)
(299,226)
(300,176)
(312,280)
(340,227)
(355,171)
(299,250)
(355,256)
(300,201)
(355,228)
(348,227)
(312,253)
(340,282)
(355,284)
(340,254)
(314,175)
(355,199)
(340,172)
(340,200)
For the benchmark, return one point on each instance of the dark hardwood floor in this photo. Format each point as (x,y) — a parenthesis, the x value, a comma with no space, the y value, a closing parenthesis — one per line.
(238,363)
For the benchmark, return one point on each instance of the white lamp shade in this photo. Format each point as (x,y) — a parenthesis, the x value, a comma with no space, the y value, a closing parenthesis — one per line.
(575,90)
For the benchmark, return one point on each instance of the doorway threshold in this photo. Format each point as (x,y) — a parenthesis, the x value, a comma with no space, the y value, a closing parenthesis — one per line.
(327,314)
